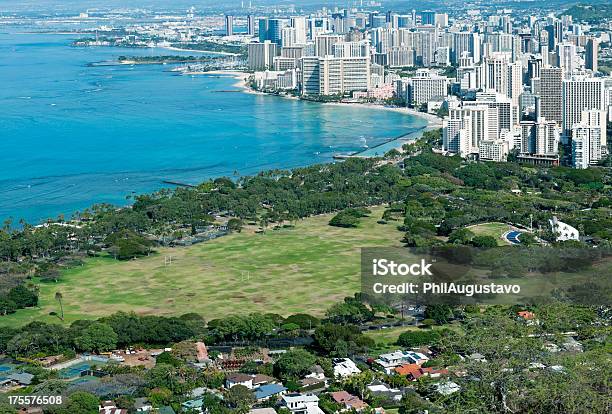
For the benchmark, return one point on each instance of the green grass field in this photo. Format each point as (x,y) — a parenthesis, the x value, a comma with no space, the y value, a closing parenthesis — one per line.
(493,229)
(304,269)
(386,339)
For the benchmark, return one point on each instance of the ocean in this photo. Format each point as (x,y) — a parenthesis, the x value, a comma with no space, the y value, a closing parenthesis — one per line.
(72,135)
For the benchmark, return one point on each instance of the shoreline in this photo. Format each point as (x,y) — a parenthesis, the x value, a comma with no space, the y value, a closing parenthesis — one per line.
(209,52)
(433,121)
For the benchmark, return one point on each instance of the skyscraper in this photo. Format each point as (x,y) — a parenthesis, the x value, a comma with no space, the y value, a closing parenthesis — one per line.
(428,18)
(464,128)
(301,32)
(589,139)
(331,75)
(229,25)
(590,54)
(251,25)
(550,90)
(324,44)
(466,42)
(271,29)
(261,55)
(539,137)
(580,94)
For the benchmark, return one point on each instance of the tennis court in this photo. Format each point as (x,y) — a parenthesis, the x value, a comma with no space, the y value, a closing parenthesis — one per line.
(74,371)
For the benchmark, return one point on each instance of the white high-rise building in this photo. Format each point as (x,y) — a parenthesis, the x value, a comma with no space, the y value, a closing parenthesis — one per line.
(310,75)
(507,112)
(568,59)
(539,137)
(324,44)
(351,49)
(288,37)
(580,93)
(261,55)
(493,150)
(515,81)
(334,76)
(465,128)
(504,76)
(589,139)
(301,30)
(426,85)
(400,56)
(466,42)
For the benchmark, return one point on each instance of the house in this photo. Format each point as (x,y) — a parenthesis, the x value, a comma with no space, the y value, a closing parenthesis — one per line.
(572,345)
(21,379)
(267,410)
(563,231)
(142,405)
(395,359)
(380,389)
(344,367)
(414,371)
(31,410)
(260,379)
(447,388)
(267,391)
(316,372)
(408,369)
(195,405)
(477,357)
(434,373)
(109,407)
(526,315)
(349,401)
(302,403)
(551,347)
(239,379)
(311,384)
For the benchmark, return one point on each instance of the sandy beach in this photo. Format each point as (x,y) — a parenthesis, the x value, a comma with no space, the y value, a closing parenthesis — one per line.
(433,121)
(208,52)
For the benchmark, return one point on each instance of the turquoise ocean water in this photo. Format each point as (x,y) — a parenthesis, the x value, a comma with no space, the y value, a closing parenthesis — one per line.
(72,135)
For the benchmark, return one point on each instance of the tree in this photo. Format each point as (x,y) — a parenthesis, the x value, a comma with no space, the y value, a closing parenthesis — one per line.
(303,320)
(97,337)
(168,358)
(22,297)
(412,339)
(341,340)
(484,242)
(7,306)
(460,236)
(234,224)
(127,244)
(160,396)
(82,402)
(294,363)
(344,220)
(439,313)
(58,298)
(240,397)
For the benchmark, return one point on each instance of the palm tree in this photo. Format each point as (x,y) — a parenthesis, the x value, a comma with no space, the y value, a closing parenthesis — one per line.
(59,297)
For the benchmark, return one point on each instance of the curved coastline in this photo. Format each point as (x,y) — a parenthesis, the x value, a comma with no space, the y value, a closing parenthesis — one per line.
(433,121)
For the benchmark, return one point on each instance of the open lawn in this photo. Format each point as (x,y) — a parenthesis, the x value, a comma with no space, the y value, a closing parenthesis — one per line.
(301,269)
(493,229)
(386,339)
